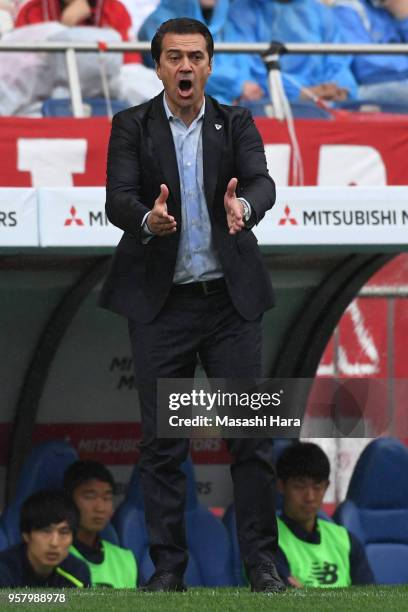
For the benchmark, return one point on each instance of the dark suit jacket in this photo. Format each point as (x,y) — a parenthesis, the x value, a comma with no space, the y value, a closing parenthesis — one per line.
(142,156)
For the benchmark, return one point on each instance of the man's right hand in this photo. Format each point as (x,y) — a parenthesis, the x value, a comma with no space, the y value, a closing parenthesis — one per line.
(159,221)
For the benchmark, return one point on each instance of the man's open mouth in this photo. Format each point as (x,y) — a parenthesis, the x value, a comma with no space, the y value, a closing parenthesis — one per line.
(185,86)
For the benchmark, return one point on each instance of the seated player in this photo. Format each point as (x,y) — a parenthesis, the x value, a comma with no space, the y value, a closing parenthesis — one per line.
(313,552)
(90,485)
(47,521)
(101,13)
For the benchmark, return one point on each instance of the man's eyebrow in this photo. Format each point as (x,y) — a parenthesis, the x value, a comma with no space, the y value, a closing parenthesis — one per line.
(193,52)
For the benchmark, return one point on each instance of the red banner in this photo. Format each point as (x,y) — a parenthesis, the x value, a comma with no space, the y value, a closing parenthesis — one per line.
(110,443)
(64,152)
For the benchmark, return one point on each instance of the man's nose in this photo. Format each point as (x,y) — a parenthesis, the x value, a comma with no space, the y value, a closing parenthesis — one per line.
(309,494)
(185,65)
(54,539)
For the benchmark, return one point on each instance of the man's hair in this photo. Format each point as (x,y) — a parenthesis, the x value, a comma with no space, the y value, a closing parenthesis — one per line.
(181,25)
(83,471)
(45,508)
(303,460)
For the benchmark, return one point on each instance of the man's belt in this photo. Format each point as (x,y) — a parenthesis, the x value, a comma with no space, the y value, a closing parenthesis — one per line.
(201,288)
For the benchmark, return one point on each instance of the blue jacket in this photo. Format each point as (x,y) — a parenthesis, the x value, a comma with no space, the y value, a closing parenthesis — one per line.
(294,21)
(225,83)
(362,23)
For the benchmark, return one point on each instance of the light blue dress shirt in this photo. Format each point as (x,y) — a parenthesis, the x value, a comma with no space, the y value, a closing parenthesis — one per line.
(197,259)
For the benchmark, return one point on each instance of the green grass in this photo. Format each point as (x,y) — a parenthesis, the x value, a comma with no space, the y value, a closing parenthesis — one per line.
(384,598)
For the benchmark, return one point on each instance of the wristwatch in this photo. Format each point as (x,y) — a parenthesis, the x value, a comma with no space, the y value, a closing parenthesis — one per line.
(247,209)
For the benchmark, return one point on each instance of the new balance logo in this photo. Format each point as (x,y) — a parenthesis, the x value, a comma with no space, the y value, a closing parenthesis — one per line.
(325,574)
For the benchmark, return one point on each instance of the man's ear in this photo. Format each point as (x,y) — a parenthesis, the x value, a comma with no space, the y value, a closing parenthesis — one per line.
(211,65)
(26,537)
(157,69)
(327,485)
(281,486)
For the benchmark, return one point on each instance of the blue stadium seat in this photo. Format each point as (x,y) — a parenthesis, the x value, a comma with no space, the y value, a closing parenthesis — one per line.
(43,469)
(93,107)
(209,548)
(3,540)
(376,508)
(300,110)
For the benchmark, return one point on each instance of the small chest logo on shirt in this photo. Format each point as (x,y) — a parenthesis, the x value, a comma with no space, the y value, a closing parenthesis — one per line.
(218,126)
(325,573)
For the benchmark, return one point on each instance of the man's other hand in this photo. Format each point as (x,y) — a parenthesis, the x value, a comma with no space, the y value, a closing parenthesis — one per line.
(234,208)
(295,582)
(397,8)
(75,12)
(159,221)
(251,91)
(326,91)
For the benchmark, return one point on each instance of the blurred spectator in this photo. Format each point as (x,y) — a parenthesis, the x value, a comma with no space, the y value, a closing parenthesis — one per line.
(381,78)
(139,10)
(47,521)
(6,20)
(226,82)
(99,13)
(313,552)
(27,79)
(328,77)
(90,485)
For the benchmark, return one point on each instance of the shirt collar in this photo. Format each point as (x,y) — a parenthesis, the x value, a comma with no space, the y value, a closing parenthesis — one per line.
(171,116)
(313,537)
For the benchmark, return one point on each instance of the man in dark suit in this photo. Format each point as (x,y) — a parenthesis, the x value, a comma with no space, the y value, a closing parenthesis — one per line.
(190,278)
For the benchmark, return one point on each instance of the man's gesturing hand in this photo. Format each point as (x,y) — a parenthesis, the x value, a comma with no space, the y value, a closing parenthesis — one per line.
(234,208)
(159,221)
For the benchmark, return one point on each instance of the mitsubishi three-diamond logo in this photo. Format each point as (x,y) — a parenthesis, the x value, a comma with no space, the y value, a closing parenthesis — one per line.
(287,218)
(73,219)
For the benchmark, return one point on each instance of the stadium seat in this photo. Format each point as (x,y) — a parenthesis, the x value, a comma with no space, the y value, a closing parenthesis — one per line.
(300,110)
(376,508)
(209,548)
(43,469)
(93,107)
(3,540)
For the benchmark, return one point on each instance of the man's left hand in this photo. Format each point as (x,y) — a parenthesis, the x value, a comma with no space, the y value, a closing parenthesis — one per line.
(234,208)
(397,8)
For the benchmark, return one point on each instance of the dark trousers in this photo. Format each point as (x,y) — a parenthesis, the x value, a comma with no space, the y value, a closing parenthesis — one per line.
(228,347)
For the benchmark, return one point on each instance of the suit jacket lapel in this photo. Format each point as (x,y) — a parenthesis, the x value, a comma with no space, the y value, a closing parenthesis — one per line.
(163,143)
(213,136)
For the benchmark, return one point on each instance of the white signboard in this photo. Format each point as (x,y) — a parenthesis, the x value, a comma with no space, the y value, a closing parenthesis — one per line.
(18,217)
(301,216)
(336,215)
(75,217)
